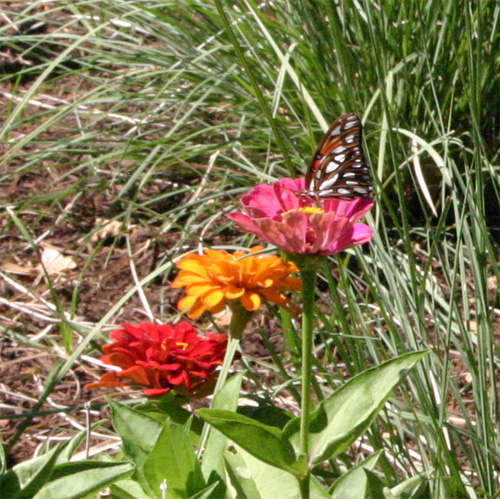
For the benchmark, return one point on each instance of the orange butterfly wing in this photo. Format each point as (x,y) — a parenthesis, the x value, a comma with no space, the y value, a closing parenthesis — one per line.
(338,169)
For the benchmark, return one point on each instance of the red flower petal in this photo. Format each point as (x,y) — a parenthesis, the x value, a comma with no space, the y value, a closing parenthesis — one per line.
(161,358)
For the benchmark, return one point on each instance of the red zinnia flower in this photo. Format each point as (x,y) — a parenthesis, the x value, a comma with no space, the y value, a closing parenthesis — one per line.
(279,215)
(162,358)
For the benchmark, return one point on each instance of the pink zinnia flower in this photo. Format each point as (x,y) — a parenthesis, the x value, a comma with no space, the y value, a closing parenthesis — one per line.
(279,215)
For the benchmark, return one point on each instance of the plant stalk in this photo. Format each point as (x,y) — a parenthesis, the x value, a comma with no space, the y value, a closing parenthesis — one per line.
(308,288)
(239,320)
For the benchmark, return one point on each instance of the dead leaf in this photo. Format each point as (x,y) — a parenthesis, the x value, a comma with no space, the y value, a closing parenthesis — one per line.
(111,228)
(14,268)
(54,262)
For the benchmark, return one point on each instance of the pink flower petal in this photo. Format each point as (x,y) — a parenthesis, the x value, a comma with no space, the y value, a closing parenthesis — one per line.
(246,224)
(359,234)
(279,215)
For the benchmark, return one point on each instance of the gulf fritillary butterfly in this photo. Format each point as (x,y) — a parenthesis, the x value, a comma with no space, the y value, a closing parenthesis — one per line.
(338,169)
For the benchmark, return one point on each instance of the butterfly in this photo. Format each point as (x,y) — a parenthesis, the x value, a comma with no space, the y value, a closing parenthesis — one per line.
(339,169)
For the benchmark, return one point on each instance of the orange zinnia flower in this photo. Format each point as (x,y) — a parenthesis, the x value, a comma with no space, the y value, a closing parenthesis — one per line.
(218,278)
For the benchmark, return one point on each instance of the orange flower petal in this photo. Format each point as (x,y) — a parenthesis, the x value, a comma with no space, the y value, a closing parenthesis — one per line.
(187,279)
(233,292)
(186,303)
(218,308)
(196,310)
(218,255)
(251,301)
(194,267)
(275,296)
(255,249)
(203,289)
(292,284)
(213,299)
(218,276)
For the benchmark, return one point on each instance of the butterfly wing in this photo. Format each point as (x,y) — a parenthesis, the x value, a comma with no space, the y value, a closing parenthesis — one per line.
(338,169)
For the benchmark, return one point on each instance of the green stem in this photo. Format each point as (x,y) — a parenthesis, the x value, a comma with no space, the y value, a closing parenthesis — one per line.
(239,320)
(232,346)
(308,289)
(304,487)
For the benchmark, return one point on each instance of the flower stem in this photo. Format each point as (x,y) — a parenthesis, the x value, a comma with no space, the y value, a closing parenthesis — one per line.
(308,291)
(239,320)
(232,346)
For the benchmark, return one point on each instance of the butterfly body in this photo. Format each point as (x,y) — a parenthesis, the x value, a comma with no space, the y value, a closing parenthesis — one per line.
(338,168)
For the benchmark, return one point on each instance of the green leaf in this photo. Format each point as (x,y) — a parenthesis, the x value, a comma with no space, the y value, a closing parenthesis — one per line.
(165,407)
(352,485)
(3,460)
(344,416)
(415,487)
(267,414)
(67,335)
(262,441)
(251,477)
(240,477)
(173,459)
(27,478)
(129,489)
(138,431)
(375,488)
(70,447)
(226,399)
(207,492)
(82,479)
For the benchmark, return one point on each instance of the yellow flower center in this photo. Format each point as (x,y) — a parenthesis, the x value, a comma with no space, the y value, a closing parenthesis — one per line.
(182,344)
(308,210)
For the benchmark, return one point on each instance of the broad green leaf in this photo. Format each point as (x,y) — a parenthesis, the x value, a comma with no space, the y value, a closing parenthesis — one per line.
(82,479)
(264,442)
(208,492)
(239,479)
(165,408)
(416,487)
(138,431)
(374,488)
(27,478)
(250,477)
(268,414)
(173,459)
(129,489)
(344,416)
(352,485)
(226,399)
(70,447)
